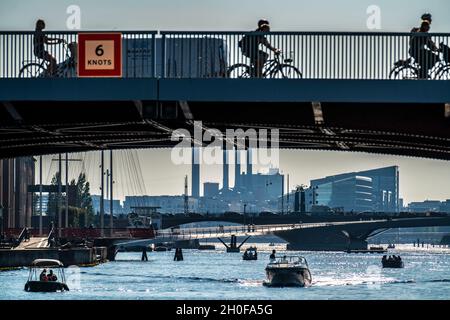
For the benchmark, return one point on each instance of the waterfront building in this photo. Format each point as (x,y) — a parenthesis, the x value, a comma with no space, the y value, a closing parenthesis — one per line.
(16,203)
(385,189)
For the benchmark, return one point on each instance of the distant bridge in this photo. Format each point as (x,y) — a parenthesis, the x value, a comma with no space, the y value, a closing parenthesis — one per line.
(348,98)
(323,236)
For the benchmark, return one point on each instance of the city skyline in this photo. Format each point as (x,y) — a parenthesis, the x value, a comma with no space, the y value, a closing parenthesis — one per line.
(420,179)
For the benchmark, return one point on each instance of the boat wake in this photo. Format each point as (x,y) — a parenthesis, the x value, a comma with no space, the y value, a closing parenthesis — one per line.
(358,281)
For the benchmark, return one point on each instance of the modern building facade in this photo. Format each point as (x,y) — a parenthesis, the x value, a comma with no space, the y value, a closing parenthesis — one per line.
(117,206)
(353,193)
(166,203)
(381,185)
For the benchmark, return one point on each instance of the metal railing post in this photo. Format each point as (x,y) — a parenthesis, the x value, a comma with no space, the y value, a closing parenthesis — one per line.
(163,56)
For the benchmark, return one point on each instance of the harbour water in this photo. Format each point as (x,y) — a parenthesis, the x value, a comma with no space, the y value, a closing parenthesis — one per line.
(220,275)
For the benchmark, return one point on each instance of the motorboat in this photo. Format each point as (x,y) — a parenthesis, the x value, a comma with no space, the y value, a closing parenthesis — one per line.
(162,246)
(288,271)
(250,254)
(392,262)
(36,283)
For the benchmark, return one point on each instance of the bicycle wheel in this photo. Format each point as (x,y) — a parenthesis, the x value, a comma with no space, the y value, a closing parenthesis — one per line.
(444,73)
(239,70)
(32,70)
(286,71)
(403,73)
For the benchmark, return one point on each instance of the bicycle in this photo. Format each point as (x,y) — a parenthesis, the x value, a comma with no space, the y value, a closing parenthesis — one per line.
(277,68)
(409,68)
(32,69)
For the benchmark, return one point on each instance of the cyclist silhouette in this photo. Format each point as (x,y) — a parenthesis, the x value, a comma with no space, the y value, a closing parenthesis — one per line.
(249,45)
(422,48)
(39,41)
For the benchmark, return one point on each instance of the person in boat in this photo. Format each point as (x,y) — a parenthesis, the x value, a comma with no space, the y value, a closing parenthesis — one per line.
(43,276)
(384,258)
(272,256)
(51,276)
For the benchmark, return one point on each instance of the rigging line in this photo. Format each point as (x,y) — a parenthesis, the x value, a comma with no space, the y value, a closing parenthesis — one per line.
(134,172)
(141,175)
(138,172)
(119,181)
(48,178)
(130,182)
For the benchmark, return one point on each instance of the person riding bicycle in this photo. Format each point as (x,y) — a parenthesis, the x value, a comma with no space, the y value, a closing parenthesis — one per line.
(39,41)
(249,45)
(422,48)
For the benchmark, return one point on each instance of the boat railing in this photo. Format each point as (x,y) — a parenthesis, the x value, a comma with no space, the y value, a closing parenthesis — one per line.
(289,260)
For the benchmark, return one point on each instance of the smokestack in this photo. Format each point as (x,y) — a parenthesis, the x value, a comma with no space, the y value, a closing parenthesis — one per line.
(249,162)
(237,168)
(296,200)
(226,184)
(195,173)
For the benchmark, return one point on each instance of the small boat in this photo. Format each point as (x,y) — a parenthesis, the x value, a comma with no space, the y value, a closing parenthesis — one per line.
(250,254)
(391,246)
(271,244)
(35,284)
(392,262)
(162,246)
(289,271)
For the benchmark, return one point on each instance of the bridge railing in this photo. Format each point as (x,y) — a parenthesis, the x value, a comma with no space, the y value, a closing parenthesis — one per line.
(189,54)
(309,55)
(91,233)
(193,233)
(20,59)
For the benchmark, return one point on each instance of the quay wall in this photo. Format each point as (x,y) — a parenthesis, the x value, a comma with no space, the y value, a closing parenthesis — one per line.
(75,256)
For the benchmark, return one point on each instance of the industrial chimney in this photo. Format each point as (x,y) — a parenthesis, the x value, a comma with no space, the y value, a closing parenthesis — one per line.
(237,169)
(195,173)
(249,162)
(226,184)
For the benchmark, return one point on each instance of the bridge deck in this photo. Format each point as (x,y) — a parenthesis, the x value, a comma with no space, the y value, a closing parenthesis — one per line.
(350,96)
(363,227)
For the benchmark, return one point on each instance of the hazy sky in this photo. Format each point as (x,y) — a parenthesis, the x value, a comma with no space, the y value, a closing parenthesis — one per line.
(420,179)
(329,15)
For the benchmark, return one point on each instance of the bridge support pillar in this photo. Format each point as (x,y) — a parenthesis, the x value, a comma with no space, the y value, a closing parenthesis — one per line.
(112,252)
(233,247)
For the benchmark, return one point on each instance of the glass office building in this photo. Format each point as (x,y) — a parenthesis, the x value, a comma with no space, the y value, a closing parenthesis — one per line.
(372,190)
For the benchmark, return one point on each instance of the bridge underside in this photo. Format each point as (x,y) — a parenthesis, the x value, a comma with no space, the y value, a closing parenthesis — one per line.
(40,116)
(351,236)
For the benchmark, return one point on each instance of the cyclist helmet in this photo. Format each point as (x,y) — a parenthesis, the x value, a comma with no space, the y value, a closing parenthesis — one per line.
(426,17)
(40,24)
(263,22)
